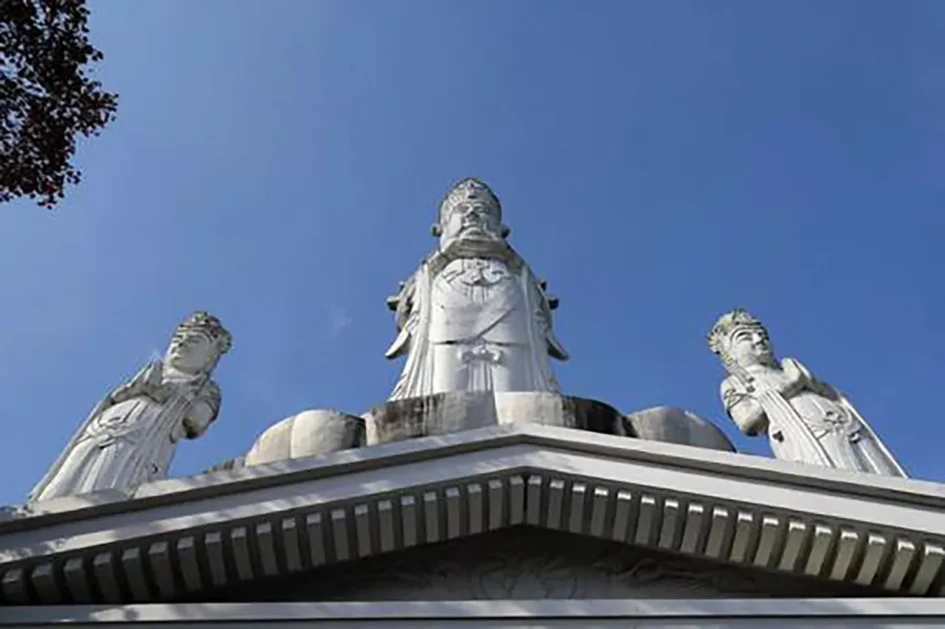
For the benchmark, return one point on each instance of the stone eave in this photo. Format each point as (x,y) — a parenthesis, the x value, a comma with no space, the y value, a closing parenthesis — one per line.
(185,536)
(859,612)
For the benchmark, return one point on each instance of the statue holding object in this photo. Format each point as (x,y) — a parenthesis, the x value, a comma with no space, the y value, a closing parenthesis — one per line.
(130,436)
(806,420)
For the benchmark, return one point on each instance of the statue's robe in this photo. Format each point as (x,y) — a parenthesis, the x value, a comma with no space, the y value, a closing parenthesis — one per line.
(816,425)
(474,324)
(128,442)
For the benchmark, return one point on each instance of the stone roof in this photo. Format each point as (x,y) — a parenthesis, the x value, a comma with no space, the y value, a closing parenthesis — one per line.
(197,534)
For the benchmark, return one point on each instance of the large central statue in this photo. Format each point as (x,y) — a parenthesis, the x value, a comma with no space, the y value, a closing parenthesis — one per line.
(473,317)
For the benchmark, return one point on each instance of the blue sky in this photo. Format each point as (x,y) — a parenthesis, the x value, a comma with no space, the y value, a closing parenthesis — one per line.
(279,164)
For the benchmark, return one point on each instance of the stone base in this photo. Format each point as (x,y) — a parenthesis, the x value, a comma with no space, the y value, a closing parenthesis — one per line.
(317,432)
(310,433)
(446,413)
(674,425)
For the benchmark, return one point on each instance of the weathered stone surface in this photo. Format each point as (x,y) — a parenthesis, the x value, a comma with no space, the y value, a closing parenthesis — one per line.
(473,317)
(674,425)
(130,436)
(228,465)
(564,411)
(444,413)
(806,420)
(437,414)
(310,433)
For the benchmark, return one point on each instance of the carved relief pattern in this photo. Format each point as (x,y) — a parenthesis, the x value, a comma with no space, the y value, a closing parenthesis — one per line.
(121,422)
(511,576)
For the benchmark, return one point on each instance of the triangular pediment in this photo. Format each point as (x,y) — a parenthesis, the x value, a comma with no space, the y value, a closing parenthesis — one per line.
(206,535)
(527,563)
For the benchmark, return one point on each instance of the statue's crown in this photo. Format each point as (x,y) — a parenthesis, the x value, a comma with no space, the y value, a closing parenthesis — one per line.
(209,325)
(726,325)
(467,189)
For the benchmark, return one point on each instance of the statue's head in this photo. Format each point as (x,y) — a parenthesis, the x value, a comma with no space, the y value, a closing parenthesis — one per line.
(740,338)
(470,212)
(197,344)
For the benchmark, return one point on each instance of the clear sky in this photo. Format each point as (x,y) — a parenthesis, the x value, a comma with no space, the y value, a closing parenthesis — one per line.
(279,164)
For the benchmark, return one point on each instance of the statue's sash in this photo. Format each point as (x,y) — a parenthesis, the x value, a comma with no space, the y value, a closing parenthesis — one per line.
(78,435)
(848,406)
(465,320)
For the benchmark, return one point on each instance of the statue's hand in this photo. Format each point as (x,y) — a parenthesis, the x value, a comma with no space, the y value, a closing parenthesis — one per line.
(198,419)
(155,375)
(795,382)
(402,304)
(160,392)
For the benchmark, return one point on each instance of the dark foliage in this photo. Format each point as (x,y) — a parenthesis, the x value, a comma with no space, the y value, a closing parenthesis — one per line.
(47,98)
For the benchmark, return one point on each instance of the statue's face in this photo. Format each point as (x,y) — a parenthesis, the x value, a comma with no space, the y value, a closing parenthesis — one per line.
(749,345)
(191,352)
(472,218)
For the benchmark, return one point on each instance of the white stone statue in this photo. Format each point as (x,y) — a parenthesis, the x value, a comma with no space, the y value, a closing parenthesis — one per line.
(130,436)
(473,317)
(806,420)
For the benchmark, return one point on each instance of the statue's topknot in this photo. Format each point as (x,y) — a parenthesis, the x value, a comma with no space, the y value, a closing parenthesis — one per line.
(470,188)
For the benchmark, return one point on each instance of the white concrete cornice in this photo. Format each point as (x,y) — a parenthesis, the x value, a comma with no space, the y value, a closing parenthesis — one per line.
(897,490)
(194,534)
(860,612)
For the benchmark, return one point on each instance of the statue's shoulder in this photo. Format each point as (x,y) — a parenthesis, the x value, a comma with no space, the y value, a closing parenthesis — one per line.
(153,369)
(431,264)
(731,383)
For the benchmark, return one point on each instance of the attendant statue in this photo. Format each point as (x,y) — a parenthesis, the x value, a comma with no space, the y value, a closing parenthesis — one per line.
(473,317)
(805,419)
(130,436)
